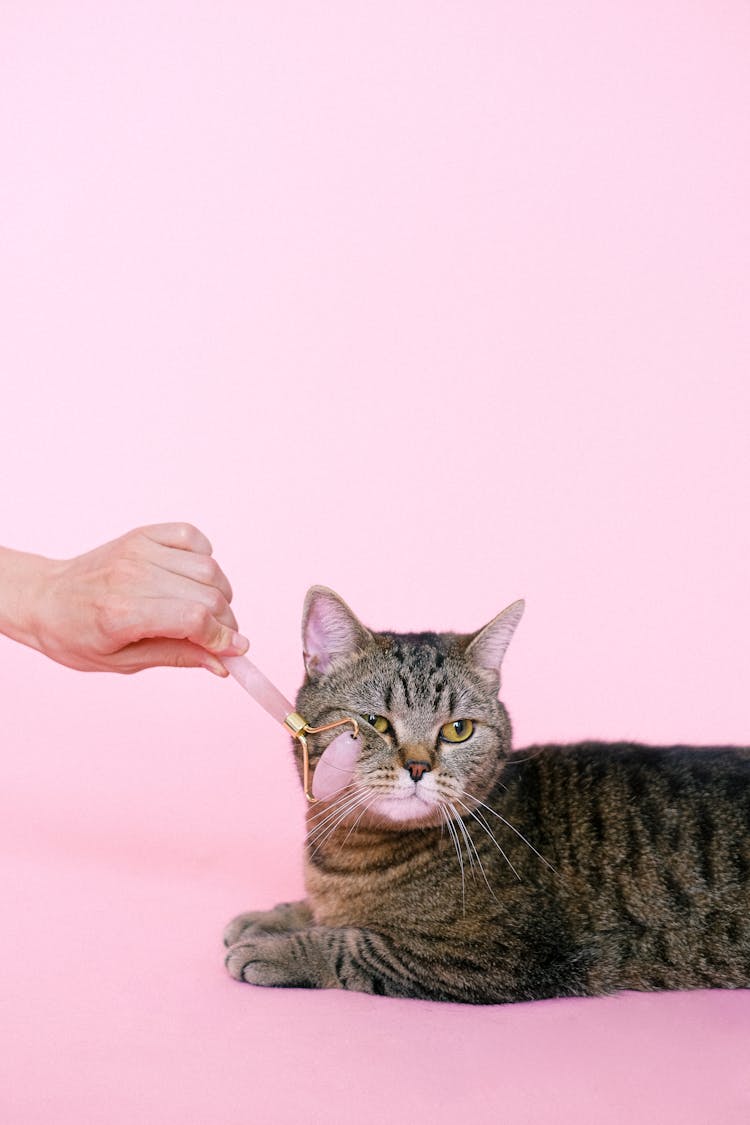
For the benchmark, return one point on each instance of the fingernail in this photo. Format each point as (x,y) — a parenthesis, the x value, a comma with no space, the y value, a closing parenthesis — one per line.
(216,667)
(240,644)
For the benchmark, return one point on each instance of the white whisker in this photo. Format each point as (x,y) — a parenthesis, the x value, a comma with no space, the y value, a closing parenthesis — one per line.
(512,828)
(456,843)
(464,832)
(325,836)
(331,814)
(483,824)
(337,816)
(355,826)
(476,850)
(327,807)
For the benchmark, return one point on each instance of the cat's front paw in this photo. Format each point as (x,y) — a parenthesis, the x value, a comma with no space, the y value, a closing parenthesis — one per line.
(270,960)
(248,923)
(283,918)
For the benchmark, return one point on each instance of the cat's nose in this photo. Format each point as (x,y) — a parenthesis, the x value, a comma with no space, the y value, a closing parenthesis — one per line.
(417,769)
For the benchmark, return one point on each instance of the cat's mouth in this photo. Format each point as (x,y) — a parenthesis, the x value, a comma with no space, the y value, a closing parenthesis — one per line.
(404,806)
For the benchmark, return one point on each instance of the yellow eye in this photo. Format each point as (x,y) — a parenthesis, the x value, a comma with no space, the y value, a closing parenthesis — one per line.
(382,726)
(457,731)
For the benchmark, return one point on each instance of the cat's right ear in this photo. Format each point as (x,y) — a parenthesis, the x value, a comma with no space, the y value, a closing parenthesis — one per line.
(487,647)
(331,633)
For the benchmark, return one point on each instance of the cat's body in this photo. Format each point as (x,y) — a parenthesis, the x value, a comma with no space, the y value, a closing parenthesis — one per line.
(450,868)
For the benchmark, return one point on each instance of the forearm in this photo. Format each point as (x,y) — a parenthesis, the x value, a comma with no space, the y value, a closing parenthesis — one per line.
(22,580)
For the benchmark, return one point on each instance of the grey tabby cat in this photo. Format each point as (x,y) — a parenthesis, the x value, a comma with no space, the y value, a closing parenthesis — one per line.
(451,868)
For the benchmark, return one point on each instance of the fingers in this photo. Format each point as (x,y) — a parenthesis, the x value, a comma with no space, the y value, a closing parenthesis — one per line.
(126,620)
(197,566)
(161,653)
(156,582)
(182,536)
(137,580)
(200,626)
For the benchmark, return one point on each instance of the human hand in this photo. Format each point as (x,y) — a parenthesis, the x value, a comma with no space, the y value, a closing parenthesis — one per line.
(152,597)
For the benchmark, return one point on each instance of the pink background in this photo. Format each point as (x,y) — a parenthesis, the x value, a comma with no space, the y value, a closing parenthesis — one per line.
(440,304)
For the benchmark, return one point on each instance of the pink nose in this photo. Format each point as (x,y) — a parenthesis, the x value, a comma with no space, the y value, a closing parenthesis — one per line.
(417,769)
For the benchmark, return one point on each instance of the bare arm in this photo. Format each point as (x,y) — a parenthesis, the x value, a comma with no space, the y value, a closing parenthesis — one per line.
(155,596)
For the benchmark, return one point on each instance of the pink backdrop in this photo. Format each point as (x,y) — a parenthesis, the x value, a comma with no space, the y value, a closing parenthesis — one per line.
(440,304)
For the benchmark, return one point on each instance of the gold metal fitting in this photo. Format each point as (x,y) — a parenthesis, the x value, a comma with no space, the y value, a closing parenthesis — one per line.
(295,722)
(300,729)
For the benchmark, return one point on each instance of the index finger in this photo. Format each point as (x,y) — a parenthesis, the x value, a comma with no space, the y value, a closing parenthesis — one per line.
(184,536)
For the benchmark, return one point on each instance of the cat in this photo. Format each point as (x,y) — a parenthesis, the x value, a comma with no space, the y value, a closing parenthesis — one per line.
(452,868)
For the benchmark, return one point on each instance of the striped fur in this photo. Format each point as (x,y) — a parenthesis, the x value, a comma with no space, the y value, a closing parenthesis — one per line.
(553,871)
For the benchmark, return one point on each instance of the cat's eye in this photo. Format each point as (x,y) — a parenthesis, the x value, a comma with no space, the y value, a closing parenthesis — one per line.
(381,724)
(457,731)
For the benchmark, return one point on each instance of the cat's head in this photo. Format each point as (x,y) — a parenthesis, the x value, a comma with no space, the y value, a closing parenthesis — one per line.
(433,733)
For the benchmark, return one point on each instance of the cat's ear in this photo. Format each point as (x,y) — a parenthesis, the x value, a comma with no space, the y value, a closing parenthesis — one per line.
(487,647)
(330,631)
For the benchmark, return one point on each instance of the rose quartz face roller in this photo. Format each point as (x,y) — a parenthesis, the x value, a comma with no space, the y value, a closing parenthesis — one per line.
(336,767)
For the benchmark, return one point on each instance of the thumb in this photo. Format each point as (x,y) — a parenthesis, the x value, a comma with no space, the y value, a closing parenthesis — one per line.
(160,652)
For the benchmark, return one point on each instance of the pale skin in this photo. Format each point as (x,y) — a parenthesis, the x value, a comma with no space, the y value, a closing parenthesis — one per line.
(154,597)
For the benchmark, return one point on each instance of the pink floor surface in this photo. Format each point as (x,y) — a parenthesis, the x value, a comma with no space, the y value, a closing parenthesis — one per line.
(123,854)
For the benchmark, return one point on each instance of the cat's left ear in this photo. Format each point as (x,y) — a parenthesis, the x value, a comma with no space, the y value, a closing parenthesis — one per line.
(487,647)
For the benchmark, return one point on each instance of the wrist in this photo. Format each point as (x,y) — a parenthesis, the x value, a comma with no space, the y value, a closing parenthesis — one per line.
(24,581)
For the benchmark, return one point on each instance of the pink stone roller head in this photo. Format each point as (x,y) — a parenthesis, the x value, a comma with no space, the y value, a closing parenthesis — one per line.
(336,767)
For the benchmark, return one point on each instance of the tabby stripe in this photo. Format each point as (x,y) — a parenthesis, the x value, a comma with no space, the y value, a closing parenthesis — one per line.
(373,959)
(405,686)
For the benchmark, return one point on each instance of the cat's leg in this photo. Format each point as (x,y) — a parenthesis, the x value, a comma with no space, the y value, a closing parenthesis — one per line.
(322,957)
(284,918)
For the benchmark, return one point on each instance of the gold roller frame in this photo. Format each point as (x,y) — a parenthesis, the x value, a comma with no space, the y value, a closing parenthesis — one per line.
(299,729)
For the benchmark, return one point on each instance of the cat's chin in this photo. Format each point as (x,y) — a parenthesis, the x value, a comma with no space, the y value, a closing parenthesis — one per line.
(398,810)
